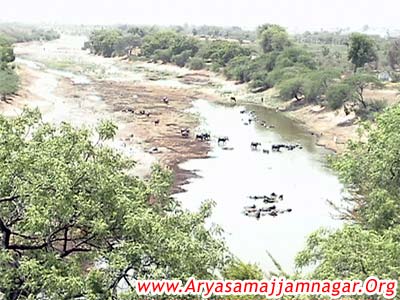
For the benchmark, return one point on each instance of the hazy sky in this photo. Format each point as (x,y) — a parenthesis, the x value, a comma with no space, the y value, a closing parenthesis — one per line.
(294,14)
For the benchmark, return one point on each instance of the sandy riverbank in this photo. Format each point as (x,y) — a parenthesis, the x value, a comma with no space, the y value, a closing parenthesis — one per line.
(83,98)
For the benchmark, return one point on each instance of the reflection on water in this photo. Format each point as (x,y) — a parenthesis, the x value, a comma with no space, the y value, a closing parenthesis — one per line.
(229,177)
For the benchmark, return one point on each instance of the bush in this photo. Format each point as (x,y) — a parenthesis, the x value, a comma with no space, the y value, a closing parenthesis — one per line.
(260,80)
(9,83)
(337,94)
(215,67)
(181,59)
(373,107)
(196,63)
(164,55)
(292,88)
(240,68)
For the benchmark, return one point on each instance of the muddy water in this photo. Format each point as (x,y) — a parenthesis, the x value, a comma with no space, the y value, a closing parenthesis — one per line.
(230,176)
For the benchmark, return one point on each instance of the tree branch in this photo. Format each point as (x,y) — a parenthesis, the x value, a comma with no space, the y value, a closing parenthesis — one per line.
(8,199)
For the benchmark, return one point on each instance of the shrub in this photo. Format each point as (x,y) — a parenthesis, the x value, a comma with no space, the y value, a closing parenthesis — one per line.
(181,59)
(196,63)
(337,94)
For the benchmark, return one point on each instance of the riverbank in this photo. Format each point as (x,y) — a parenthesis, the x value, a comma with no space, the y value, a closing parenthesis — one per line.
(149,130)
(331,129)
(69,84)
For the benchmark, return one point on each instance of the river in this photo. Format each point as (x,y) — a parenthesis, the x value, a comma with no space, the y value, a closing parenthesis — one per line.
(229,176)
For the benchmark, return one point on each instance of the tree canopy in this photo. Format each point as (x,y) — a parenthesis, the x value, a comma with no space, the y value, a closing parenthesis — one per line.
(74,223)
(369,243)
(6,52)
(273,37)
(9,81)
(362,50)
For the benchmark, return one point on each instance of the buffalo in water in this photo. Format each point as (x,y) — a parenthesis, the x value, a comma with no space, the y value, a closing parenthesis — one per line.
(289,147)
(223,139)
(203,136)
(253,211)
(272,198)
(254,145)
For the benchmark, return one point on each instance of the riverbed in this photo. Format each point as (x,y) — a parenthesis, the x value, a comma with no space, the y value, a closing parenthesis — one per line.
(81,96)
(229,177)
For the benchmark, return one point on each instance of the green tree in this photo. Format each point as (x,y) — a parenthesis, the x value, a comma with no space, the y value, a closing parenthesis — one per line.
(238,270)
(325,51)
(127,43)
(182,58)
(362,50)
(369,242)
(337,94)
(273,37)
(196,63)
(360,82)
(394,54)
(239,68)
(6,52)
(74,223)
(352,252)
(103,42)
(9,83)
(295,56)
(221,51)
(317,83)
(292,88)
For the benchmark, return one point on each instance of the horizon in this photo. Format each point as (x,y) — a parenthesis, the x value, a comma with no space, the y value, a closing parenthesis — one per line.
(296,16)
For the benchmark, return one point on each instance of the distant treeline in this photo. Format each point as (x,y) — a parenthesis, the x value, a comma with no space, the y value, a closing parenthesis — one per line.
(332,78)
(9,80)
(17,33)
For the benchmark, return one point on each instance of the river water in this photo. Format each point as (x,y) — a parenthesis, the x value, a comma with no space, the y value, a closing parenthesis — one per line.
(229,176)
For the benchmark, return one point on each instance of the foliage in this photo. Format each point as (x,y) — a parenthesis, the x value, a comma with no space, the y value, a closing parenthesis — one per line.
(373,108)
(317,83)
(238,270)
(221,51)
(362,50)
(295,56)
(164,45)
(196,63)
(273,37)
(337,94)
(9,83)
(6,52)
(103,42)
(182,58)
(325,51)
(359,82)
(292,88)
(394,54)
(370,241)
(24,33)
(260,79)
(127,43)
(352,252)
(74,223)
(239,68)
(373,171)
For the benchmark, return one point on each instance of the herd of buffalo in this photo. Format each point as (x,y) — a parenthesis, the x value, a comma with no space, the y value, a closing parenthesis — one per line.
(269,207)
(272,210)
